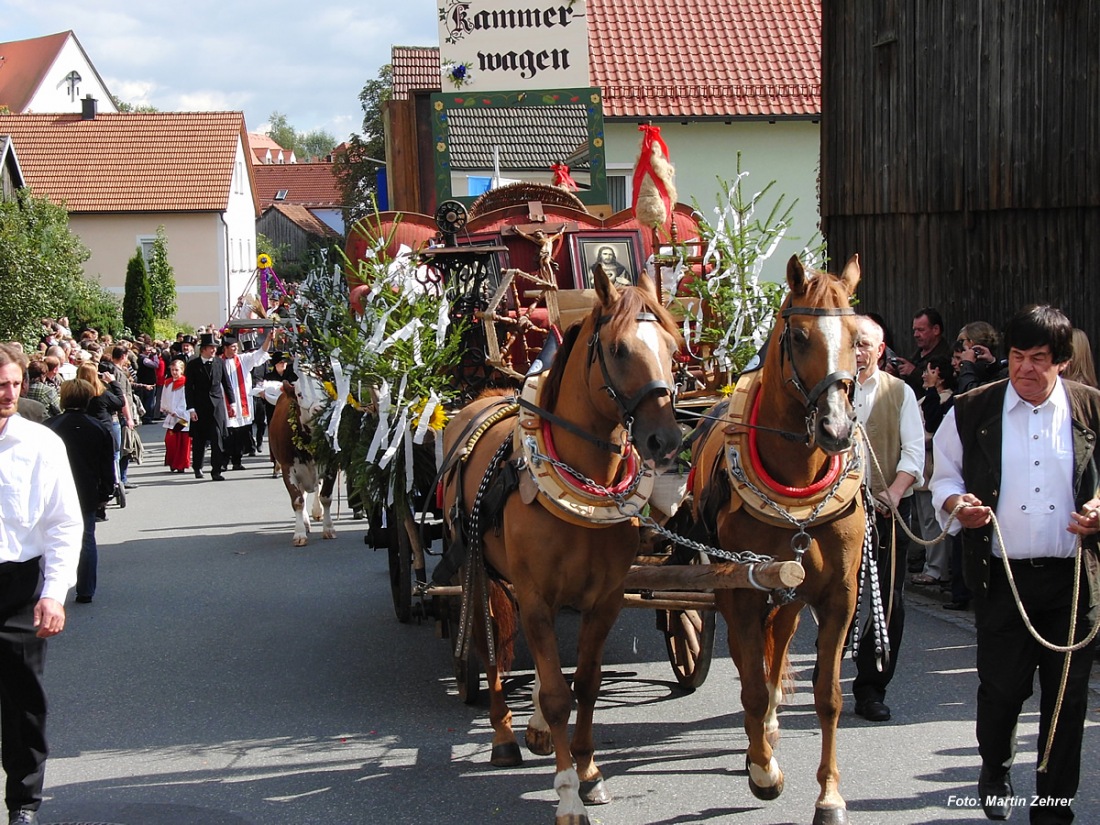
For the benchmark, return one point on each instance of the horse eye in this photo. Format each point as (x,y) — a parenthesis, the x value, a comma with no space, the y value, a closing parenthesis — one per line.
(801,336)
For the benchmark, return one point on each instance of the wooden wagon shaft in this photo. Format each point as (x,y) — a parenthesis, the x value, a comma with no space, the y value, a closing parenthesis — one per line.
(669,600)
(693,578)
(778,574)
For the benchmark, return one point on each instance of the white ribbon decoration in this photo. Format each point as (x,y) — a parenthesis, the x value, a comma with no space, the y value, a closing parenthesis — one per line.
(378,442)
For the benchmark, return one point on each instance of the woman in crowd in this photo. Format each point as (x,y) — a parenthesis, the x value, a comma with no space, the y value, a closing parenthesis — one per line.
(104,407)
(177,423)
(1080,367)
(978,344)
(91,457)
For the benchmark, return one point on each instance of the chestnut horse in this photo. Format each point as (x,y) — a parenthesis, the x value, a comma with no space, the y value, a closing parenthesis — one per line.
(805,462)
(291,456)
(610,386)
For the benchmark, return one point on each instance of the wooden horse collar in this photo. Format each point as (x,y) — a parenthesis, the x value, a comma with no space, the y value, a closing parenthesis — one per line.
(824,500)
(563,493)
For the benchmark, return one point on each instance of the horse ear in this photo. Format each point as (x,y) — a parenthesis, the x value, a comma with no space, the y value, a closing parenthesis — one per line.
(645,283)
(851,273)
(605,290)
(796,276)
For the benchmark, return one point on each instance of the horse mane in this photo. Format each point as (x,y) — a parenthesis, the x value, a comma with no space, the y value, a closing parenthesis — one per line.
(820,286)
(632,302)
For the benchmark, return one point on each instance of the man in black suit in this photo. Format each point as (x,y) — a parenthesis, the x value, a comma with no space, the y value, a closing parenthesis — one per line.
(210,402)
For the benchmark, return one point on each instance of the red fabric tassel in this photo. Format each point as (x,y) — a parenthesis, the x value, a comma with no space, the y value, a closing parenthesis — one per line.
(563,178)
(652,135)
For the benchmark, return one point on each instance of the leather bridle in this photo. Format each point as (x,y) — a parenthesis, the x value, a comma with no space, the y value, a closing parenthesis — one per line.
(786,351)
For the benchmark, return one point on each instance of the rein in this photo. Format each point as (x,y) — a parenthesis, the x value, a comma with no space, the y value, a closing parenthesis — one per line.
(626,407)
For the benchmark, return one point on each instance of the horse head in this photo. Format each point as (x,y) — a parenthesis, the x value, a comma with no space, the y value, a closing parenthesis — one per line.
(632,341)
(814,342)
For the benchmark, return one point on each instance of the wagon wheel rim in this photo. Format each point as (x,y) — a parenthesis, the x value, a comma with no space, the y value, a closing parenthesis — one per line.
(400,568)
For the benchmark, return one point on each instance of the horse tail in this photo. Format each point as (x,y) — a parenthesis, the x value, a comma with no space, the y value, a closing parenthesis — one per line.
(505,620)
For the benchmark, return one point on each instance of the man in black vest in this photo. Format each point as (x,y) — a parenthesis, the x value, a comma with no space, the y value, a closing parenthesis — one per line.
(1023,450)
(210,402)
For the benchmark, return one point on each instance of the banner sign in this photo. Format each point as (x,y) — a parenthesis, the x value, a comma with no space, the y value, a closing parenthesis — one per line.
(498,45)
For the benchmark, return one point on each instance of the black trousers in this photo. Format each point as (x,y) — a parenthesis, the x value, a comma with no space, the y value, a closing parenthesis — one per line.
(870,683)
(1008,658)
(202,433)
(22,695)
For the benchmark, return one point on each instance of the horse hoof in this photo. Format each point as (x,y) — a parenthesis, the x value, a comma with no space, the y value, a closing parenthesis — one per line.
(300,541)
(538,742)
(831,816)
(506,755)
(571,819)
(328,534)
(764,792)
(594,791)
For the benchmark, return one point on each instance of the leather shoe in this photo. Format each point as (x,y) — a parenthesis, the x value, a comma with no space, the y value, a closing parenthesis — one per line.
(238,466)
(957,606)
(23,818)
(217,477)
(995,792)
(198,474)
(873,711)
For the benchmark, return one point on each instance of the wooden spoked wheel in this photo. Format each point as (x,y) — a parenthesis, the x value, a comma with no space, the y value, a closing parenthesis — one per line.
(689,640)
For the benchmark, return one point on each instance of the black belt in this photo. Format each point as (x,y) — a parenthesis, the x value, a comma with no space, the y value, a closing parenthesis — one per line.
(11,568)
(1041,561)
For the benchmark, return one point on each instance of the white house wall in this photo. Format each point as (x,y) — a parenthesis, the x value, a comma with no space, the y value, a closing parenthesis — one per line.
(239,244)
(54,94)
(702,152)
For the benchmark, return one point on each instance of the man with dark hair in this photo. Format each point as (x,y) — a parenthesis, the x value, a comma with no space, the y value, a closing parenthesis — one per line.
(40,388)
(40,532)
(1023,450)
(210,403)
(928,335)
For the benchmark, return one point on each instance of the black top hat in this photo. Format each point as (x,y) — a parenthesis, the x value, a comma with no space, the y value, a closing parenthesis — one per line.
(188,339)
(248,345)
(207,340)
(277,356)
(229,339)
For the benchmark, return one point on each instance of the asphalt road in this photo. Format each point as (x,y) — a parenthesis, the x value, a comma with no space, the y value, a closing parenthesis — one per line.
(223,677)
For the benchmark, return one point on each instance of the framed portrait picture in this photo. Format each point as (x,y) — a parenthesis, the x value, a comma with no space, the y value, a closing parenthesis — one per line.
(618,253)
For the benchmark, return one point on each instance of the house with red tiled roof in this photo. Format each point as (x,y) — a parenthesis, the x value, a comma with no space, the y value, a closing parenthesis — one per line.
(264,149)
(720,77)
(312,186)
(49,74)
(298,232)
(121,176)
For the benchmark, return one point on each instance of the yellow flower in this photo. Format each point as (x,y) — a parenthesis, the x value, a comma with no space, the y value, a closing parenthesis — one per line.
(441,147)
(597,142)
(330,388)
(439,418)
(355,405)
(726,390)
(595,98)
(439,105)
(263,261)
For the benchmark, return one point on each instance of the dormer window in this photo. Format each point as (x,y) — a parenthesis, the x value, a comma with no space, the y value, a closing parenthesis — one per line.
(281,194)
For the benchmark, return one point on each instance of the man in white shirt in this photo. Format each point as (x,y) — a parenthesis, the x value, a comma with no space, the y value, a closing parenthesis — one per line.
(888,410)
(238,367)
(41,528)
(1024,450)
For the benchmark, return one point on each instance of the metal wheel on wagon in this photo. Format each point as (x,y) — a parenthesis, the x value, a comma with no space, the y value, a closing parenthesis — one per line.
(399,549)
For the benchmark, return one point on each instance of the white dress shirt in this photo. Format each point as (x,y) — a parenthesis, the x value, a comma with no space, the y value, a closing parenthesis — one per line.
(39,507)
(910,429)
(1036,494)
(247,360)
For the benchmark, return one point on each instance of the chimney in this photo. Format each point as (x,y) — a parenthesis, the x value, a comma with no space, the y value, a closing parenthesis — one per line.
(88,108)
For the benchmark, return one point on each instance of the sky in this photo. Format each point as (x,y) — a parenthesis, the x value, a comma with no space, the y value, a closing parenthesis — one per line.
(308,60)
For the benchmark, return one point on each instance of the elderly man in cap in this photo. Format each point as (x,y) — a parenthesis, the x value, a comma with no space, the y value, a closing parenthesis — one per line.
(210,404)
(238,368)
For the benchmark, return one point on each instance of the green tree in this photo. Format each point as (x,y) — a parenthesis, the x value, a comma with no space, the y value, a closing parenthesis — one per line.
(130,108)
(137,304)
(305,145)
(162,278)
(41,266)
(356,166)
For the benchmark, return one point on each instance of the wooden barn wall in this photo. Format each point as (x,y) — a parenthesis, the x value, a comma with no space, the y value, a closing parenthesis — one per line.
(281,231)
(960,155)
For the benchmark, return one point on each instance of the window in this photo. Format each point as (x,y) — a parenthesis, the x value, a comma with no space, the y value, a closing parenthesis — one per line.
(616,192)
(146,243)
(281,194)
